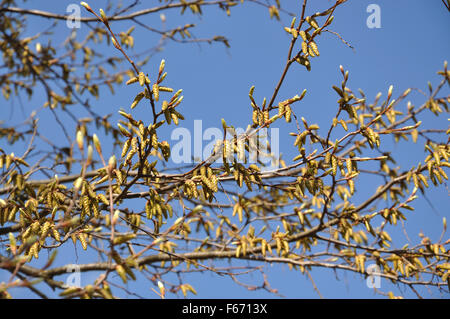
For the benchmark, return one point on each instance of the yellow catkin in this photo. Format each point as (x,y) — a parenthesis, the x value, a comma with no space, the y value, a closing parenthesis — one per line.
(313,46)
(44,230)
(35,227)
(155,90)
(83,241)
(132,80)
(288,114)
(266,116)
(35,249)
(56,234)
(334,165)
(281,108)
(304,47)
(141,79)
(255,117)
(303,35)
(349,165)
(122,273)
(351,185)
(314,24)
(327,157)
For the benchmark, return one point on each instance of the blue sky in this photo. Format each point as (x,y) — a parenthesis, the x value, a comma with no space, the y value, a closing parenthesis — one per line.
(407,51)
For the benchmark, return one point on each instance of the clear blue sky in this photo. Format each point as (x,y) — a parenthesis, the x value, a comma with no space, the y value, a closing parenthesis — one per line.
(407,51)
